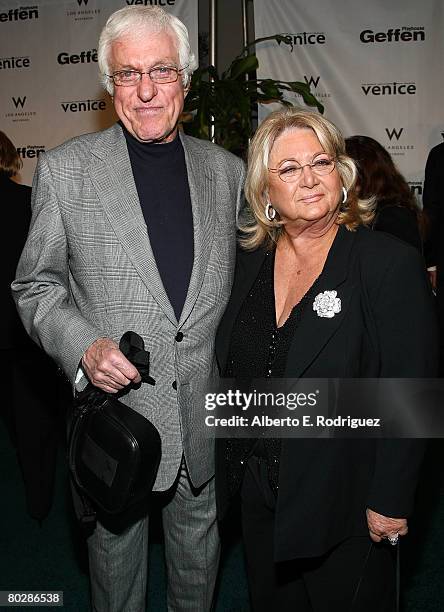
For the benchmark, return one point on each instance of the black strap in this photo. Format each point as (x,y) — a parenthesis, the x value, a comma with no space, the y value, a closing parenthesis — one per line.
(398,577)
(133,347)
(361,577)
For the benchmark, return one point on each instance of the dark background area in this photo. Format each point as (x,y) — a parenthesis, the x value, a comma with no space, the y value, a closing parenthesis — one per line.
(52,555)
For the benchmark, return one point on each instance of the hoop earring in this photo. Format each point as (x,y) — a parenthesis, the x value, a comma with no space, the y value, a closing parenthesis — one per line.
(270,212)
(344,195)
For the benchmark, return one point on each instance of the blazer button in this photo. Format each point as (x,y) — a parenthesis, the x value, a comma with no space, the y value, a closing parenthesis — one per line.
(179,337)
(174,385)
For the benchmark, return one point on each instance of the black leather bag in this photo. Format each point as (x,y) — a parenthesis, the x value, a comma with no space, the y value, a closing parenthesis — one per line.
(114,452)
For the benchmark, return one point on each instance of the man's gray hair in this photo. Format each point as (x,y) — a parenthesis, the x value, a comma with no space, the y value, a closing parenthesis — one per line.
(137,21)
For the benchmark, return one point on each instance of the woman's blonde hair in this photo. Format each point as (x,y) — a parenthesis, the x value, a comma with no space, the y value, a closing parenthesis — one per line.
(254,225)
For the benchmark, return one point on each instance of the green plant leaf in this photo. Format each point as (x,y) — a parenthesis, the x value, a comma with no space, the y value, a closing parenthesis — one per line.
(270,88)
(241,67)
(283,38)
(227,102)
(304,90)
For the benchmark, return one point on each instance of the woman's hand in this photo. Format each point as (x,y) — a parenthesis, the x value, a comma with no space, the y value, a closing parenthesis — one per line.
(381,527)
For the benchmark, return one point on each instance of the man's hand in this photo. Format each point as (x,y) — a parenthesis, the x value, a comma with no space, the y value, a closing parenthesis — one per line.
(380,527)
(107,367)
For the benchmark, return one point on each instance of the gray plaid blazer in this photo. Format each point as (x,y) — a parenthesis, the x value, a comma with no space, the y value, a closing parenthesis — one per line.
(88,271)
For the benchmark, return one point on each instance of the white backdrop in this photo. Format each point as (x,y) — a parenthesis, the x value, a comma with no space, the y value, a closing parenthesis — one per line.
(49,85)
(377,66)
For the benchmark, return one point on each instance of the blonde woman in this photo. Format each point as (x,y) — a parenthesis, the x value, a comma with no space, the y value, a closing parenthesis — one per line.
(317,294)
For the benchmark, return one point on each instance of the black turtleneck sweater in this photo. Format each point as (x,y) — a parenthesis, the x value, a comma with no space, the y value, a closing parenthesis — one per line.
(161,178)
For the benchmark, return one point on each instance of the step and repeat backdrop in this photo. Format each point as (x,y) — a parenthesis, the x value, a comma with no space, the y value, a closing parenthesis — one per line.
(49,81)
(378,68)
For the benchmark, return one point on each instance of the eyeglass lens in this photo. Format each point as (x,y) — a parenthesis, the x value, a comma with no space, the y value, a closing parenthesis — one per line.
(293,171)
(158,74)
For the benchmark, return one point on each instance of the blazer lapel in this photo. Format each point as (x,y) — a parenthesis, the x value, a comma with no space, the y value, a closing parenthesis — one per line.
(315,331)
(201,180)
(113,179)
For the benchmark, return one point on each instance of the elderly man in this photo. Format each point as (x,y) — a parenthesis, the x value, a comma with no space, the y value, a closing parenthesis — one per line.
(134,229)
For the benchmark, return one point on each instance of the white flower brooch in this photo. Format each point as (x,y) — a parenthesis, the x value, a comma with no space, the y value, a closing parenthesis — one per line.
(327,304)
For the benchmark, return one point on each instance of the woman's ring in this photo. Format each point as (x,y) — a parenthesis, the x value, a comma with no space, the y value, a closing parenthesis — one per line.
(393,539)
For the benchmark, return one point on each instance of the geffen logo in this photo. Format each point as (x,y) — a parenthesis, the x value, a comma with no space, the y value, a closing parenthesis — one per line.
(21,13)
(152,2)
(404,34)
(30,151)
(84,57)
(81,106)
(19,114)
(83,13)
(389,89)
(313,82)
(304,38)
(394,146)
(14,63)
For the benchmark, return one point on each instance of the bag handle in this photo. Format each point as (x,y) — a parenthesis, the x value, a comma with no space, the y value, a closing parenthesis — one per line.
(133,347)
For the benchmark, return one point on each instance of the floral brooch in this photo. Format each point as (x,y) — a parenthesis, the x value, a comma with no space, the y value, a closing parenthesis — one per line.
(326,304)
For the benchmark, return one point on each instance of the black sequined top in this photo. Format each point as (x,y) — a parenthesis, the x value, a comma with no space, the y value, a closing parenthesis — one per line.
(259,349)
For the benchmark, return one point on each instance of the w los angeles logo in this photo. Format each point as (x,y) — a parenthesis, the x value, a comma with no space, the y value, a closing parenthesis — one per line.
(20,110)
(394,133)
(397,145)
(19,102)
(84,11)
(312,81)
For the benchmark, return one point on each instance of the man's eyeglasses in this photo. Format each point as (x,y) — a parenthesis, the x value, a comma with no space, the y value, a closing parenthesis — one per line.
(158,74)
(291,171)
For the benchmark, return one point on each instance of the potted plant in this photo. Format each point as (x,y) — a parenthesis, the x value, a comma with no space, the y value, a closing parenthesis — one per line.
(229,101)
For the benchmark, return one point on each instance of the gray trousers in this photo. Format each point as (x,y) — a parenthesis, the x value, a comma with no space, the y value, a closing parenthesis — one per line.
(118,564)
